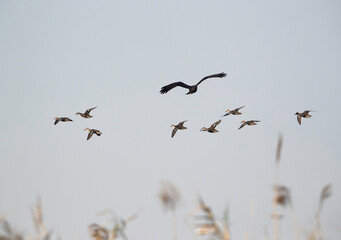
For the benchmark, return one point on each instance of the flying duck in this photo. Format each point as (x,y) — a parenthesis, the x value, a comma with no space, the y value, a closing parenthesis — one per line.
(87,113)
(250,123)
(63,119)
(93,131)
(305,114)
(211,129)
(191,89)
(234,112)
(177,127)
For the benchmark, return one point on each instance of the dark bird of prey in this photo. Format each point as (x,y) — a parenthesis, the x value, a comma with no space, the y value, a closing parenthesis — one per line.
(63,119)
(211,129)
(191,89)
(177,127)
(233,112)
(305,114)
(250,123)
(87,113)
(93,131)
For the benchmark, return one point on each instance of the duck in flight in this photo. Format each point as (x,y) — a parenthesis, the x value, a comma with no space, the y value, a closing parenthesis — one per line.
(87,113)
(211,129)
(93,131)
(180,126)
(191,89)
(62,119)
(305,114)
(234,112)
(250,123)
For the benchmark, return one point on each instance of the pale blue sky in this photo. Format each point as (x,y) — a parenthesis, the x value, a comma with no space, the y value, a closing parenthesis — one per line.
(61,57)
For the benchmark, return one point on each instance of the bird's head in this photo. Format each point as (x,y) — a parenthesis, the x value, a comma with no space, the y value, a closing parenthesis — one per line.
(228,111)
(203,129)
(86,129)
(79,114)
(172,125)
(242,122)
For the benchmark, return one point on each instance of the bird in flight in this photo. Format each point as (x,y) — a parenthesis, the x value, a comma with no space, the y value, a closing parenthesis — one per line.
(87,113)
(63,119)
(180,126)
(233,112)
(250,123)
(191,89)
(211,129)
(305,114)
(93,131)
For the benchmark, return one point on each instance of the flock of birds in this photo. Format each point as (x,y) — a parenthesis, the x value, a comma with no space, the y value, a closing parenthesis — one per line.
(180,126)
(212,129)
(84,115)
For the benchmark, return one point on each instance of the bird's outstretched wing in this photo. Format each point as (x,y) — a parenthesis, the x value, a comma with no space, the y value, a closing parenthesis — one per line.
(216,123)
(227,114)
(299,119)
(168,87)
(174,131)
(220,75)
(182,123)
(239,108)
(89,110)
(57,120)
(254,121)
(241,126)
(90,135)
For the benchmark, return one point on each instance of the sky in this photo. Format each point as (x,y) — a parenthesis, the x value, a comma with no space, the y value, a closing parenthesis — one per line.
(62,57)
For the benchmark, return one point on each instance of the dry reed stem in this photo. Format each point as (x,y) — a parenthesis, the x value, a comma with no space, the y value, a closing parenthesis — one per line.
(100,232)
(210,226)
(169,196)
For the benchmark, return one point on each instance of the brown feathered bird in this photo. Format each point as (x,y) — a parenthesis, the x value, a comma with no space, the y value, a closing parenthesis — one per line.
(86,114)
(305,114)
(191,89)
(180,126)
(211,129)
(250,123)
(234,112)
(62,119)
(93,131)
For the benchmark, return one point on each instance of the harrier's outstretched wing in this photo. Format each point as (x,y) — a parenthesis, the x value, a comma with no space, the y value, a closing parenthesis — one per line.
(220,75)
(168,87)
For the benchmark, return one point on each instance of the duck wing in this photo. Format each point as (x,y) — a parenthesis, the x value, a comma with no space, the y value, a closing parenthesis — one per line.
(239,108)
(169,87)
(90,134)
(89,110)
(181,124)
(216,124)
(218,75)
(299,119)
(57,120)
(241,126)
(174,131)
